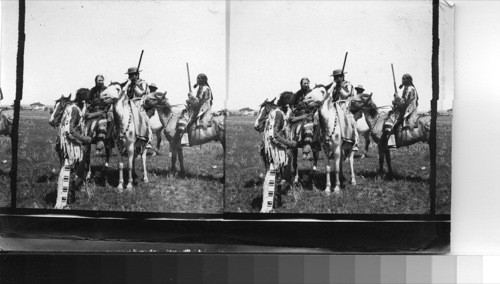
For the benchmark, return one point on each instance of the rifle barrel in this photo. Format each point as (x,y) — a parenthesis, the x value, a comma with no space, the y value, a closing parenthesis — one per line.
(189,77)
(394,79)
(343,66)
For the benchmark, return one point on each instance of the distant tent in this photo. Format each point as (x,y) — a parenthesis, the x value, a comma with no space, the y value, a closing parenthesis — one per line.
(37,106)
(247,112)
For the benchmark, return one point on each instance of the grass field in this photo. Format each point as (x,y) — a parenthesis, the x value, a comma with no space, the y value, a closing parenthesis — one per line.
(406,193)
(200,191)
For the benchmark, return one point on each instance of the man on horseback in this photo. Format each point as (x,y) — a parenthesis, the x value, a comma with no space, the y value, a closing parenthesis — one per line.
(342,93)
(152,88)
(404,110)
(96,108)
(302,118)
(201,105)
(198,110)
(136,88)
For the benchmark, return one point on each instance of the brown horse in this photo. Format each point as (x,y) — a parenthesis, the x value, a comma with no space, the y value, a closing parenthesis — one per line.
(5,124)
(376,119)
(90,128)
(169,116)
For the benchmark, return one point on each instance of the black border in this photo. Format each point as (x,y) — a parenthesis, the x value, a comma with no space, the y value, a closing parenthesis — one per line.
(344,233)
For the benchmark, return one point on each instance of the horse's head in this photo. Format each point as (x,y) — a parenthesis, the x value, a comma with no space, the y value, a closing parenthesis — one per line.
(113,93)
(265,109)
(316,96)
(156,99)
(59,107)
(368,105)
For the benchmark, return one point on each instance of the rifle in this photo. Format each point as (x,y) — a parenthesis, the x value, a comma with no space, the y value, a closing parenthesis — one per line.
(394,79)
(189,78)
(343,66)
(342,73)
(139,64)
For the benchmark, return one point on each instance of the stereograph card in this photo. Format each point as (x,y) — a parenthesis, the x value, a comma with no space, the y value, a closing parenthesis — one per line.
(227,126)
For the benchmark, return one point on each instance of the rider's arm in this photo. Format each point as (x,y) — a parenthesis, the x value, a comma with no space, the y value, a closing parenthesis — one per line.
(410,96)
(346,91)
(279,133)
(140,89)
(74,127)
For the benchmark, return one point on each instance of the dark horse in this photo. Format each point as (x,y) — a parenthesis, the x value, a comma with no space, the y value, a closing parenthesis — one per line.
(376,120)
(90,128)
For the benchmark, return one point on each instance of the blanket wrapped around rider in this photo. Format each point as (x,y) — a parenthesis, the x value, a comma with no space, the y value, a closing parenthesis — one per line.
(304,121)
(345,119)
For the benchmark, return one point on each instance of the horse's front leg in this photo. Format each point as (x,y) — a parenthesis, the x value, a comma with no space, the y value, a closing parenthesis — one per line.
(145,172)
(87,161)
(328,189)
(367,143)
(315,160)
(120,174)
(108,155)
(380,158)
(337,156)
(181,160)
(351,164)
(295,170)
(387,153)
(130,157)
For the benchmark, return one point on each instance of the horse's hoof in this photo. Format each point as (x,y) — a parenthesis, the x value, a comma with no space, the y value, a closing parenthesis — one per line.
(145,180)
(328,192)
(336,191)
(129,187)
(353,182)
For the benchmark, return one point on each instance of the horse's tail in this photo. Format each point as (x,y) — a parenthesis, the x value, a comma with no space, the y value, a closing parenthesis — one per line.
(427,128)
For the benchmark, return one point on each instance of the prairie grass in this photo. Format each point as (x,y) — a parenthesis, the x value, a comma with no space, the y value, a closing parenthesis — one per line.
(199,191)
(406,193)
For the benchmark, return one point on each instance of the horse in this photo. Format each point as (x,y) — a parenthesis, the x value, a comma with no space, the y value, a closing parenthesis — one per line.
(71,153)
(90,128)
(275,158)
(125,133)
(376,119)
(169,115)
(5,124)
(315,148)
(332,136)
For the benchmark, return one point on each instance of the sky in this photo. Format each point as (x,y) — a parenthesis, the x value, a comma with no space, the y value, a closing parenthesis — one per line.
(69,42)
(273,44)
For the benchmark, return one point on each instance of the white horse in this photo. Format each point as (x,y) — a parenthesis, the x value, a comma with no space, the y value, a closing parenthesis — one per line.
(332,136)
(125,133)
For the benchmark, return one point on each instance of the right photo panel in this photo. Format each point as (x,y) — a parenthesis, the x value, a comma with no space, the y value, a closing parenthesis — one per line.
(329,108)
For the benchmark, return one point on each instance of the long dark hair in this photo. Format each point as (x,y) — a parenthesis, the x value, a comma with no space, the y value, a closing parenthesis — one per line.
(409,79)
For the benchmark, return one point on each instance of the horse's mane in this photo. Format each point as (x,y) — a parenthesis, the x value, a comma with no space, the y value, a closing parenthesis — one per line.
(63,98)
(267,102)
(323,86)
(115,83)
(372,109)
(286,98)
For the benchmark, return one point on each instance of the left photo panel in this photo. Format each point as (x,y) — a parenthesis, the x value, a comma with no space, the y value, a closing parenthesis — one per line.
(122,107)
